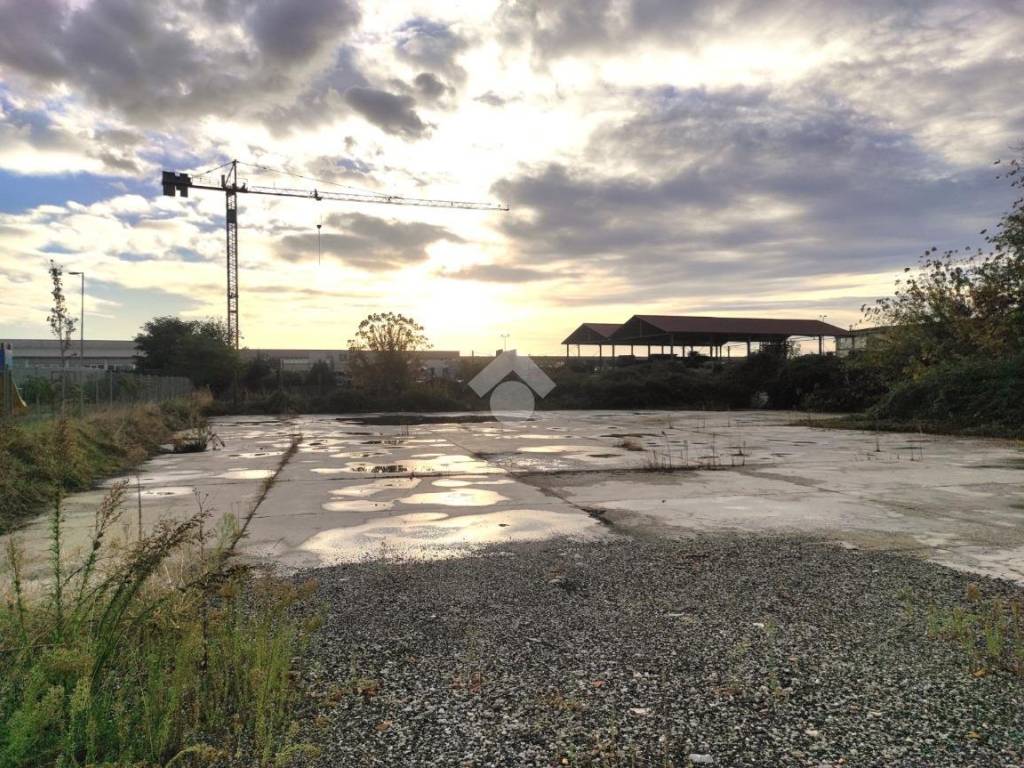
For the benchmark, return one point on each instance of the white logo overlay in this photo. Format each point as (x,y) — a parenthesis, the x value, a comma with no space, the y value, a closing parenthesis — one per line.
(512,399)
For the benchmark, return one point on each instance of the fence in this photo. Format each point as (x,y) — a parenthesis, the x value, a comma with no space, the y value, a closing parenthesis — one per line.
(44,388)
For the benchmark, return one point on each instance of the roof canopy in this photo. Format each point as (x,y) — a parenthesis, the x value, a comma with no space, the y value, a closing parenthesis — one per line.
(707,331)
(592,333)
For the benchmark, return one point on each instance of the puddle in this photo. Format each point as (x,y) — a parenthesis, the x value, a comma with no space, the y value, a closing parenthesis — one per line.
(369,489)
(466,497)
(174,490)
(449,483)
(247,474)
(255,454)
(435,535)
(403,419)
(552,448)
(377,469)
(357,505)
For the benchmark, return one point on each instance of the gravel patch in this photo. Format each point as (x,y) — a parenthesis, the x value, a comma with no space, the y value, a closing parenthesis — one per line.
(722,651)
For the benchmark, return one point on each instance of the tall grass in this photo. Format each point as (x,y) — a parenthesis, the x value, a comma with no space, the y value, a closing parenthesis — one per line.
(105,442)
(157,652)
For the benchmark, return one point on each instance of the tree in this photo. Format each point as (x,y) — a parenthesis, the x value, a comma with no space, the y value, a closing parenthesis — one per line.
(62,325)
(320,374)
(198,349)
(381,353)
(957,306)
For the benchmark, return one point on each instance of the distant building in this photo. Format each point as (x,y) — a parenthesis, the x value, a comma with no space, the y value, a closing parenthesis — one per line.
(116,355)
(119,355)
(860,339)
(436,364)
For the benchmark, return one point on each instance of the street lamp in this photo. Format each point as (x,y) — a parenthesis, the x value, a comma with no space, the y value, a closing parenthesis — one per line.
(81,321)
(504,341)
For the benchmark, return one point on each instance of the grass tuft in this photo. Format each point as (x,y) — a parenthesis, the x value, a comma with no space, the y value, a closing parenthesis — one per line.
(162,651)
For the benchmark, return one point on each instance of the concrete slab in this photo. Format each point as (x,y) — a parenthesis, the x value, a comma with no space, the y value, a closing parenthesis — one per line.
(435,489)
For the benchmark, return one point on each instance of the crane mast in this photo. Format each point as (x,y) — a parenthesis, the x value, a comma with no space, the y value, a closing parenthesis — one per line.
(176,183)
(231,231)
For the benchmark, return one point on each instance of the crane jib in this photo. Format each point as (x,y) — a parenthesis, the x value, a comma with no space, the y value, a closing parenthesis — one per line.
(177,184)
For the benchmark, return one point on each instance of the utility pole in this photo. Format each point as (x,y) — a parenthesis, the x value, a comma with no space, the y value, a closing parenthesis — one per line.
(81,345)
(81,320)
(504,341)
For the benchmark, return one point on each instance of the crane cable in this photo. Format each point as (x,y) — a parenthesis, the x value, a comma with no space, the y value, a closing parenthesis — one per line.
(268,169)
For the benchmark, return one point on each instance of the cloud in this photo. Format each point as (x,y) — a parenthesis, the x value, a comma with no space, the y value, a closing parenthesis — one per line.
(556,28)
(36,140)
(492,99)
(367,242)
(432,45)
(430,87)
(750,185)
(500,273)
(162,63)
(286,31)
(395,114)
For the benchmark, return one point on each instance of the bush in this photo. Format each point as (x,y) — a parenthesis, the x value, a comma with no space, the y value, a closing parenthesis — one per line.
(970,395)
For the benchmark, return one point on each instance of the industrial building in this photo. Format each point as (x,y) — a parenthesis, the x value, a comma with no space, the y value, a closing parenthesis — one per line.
(119,355)
(107,354)
(679,334)
(438,364)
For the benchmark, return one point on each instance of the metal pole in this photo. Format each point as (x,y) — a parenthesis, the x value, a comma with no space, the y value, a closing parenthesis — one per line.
(81,323)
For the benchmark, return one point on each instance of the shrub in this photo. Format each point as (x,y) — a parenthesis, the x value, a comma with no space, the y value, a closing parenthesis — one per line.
(972,394)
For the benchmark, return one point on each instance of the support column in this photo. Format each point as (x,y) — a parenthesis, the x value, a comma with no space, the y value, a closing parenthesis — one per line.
(566,351)
(821,345)
(748,347)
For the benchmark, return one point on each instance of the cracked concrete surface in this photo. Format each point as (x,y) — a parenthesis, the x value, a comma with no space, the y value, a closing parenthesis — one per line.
(435,489)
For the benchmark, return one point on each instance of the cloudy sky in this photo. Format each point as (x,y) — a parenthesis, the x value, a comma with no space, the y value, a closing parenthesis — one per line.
(781,158)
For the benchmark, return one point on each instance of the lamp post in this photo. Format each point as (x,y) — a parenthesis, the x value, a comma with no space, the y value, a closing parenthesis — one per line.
(504,341)
(81,321)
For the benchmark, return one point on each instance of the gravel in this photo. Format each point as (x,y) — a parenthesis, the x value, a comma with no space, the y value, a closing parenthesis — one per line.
(712,651)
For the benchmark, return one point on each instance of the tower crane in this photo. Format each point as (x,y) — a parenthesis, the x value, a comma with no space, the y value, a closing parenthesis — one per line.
(175,184)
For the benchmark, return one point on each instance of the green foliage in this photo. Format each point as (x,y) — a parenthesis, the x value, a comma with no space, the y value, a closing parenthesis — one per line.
(38,390)
(952,350)
(94,446)
(816,383)
(198,349)
(380,354)
(956,306)
(982,396)
(150,653)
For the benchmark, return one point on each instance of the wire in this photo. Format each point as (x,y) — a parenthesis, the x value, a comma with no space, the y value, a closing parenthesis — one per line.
(314,179)
(213,170)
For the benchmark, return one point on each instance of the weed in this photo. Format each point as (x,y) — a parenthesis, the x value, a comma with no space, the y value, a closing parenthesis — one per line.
(123,659)
(990,632)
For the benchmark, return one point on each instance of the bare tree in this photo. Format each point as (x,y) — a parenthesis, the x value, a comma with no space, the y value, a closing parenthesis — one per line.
(62,325)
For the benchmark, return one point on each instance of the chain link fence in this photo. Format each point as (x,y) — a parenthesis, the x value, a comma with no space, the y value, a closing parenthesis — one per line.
(42,389)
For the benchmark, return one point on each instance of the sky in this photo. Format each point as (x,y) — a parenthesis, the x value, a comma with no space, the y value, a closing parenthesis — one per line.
(776,158)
